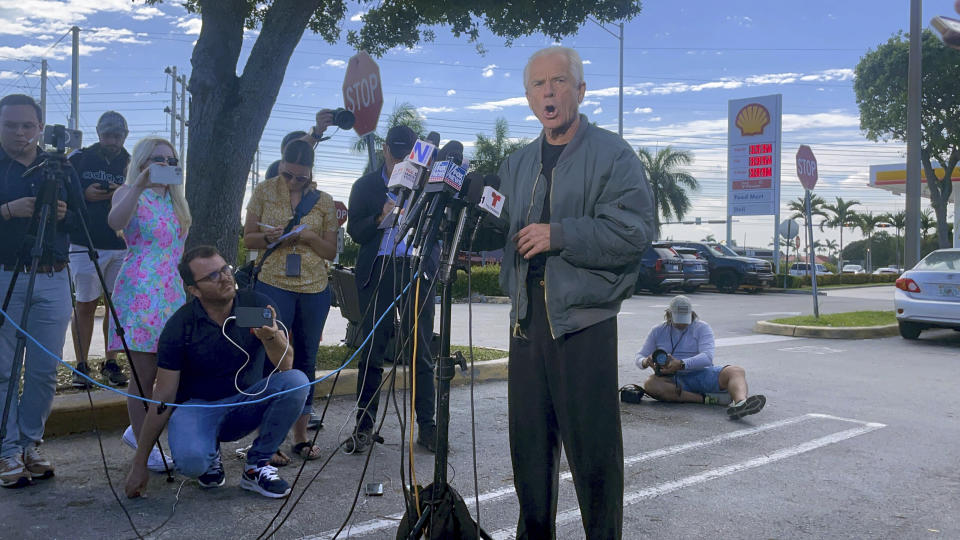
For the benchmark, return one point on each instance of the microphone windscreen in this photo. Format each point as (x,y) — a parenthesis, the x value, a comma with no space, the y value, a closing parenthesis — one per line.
(434,138)
(492,180)
(474,189)
(452,151)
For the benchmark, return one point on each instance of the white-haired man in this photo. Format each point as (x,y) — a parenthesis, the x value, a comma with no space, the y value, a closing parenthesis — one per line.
(579,212)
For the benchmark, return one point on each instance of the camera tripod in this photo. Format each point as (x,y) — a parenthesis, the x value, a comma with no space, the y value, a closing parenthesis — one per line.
(41,231)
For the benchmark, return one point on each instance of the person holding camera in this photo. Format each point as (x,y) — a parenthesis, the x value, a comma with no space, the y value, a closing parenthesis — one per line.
(151,213)
(680,350)
(101,168)
(289,213)
(21,129)
(325,118)
(212,326)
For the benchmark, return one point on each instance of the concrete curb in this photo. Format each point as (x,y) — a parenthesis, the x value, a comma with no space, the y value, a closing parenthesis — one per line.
(849,332)
(71,412)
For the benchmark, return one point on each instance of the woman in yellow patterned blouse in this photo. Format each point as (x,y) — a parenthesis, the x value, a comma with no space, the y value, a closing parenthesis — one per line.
(294,276)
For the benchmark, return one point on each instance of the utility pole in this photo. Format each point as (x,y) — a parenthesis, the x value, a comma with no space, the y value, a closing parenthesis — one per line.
(43,89)
(75,81)
(172,109)
(619,37)
(183,116)
(911,251)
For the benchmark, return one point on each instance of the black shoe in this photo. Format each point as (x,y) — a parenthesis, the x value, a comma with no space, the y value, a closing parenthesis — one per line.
(427,437)
(112,371)
(263,479)
(79,381)
(751,405)
(359,442)
(214,477)
(314,423)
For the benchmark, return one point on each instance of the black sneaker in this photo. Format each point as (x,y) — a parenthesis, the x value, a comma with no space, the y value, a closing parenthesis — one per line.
(112,371)
(427,437)
(214,477)
(264,480)
(359,442)
(78,380)
(751,405)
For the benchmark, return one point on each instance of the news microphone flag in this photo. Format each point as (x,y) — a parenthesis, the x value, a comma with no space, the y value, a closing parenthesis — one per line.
(421,153)
(492,201)
(404,176)
(445,175)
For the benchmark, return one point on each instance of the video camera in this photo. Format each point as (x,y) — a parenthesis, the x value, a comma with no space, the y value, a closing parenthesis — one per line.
(343,119)
(59,137)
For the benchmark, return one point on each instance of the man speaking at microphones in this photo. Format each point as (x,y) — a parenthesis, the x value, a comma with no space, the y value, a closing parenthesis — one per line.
(380,278)
(579,213)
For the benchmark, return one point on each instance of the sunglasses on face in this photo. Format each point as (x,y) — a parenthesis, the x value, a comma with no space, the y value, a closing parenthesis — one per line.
(224,272)
(171,161)
(288,176)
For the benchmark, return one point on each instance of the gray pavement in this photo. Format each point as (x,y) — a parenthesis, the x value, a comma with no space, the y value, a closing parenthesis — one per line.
(859,440)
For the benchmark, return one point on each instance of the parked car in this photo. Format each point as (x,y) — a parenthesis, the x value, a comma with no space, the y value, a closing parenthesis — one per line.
(728,271)
(889,270)
(853,269)
(661,269)
(696,269)
(803,269)
(928,295)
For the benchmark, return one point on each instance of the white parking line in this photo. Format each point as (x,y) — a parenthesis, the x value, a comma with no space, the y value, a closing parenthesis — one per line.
(651,492)
(391,521)
(753,339)
(772,313)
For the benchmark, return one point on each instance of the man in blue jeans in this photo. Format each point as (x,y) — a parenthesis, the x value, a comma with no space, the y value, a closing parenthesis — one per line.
(203,358)
(688,375)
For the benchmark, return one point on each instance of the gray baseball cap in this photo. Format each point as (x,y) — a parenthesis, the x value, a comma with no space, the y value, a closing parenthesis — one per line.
(112,122)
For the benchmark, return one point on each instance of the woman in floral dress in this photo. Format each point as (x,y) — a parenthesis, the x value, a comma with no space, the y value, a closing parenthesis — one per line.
(154,220)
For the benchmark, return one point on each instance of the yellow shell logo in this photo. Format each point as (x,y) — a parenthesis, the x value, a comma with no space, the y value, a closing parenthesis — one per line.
(752,119)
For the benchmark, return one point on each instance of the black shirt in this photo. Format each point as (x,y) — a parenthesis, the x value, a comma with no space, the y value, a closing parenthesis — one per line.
(193,344)
(93,166)
(273,170)
(12,187)
(551,154)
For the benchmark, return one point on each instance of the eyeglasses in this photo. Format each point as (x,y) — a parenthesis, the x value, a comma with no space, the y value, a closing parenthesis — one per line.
(171,161)
(288,176)
(225,272)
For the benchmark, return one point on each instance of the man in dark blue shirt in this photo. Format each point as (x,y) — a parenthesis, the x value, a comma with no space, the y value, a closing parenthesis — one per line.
(204,358)
(21,128)
(102,168)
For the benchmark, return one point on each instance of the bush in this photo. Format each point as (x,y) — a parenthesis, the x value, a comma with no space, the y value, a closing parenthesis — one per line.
(485,281)
(851,279)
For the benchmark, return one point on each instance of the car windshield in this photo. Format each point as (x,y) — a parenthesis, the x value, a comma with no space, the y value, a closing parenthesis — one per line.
(720,249)
(940,260)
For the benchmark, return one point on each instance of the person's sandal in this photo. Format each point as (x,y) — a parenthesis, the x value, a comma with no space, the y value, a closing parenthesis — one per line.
(306,451)
(279,459)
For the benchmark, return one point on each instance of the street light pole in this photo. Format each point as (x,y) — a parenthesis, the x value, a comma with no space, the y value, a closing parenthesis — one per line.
(911,250)
(619,37)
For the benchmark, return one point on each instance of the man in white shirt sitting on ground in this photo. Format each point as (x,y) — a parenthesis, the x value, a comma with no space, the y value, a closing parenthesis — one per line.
(685,373)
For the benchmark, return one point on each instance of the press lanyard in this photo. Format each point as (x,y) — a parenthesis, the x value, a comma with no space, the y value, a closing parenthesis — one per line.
(673,346)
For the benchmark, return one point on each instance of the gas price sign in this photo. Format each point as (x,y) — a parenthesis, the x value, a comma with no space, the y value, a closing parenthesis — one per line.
(753,156)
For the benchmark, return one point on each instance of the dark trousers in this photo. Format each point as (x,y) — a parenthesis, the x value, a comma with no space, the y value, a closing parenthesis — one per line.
(565,391)
(395,278)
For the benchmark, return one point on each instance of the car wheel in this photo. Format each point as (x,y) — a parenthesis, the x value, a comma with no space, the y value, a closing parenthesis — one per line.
(728,283)
(909,330)
(690,288)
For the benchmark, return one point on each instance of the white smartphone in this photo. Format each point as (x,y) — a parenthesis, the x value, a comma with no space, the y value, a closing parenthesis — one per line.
(165,174)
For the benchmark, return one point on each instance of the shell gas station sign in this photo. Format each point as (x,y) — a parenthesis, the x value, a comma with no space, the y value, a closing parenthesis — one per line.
(893,178)
(753,156)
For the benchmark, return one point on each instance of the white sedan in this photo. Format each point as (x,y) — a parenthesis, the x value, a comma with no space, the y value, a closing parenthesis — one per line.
(928,295)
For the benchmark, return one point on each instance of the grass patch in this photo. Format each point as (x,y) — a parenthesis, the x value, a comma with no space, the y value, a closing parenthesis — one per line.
(333,356)
(837,320)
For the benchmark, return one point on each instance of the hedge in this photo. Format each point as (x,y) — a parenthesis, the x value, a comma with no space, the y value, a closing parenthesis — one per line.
(485,281)
(793,282)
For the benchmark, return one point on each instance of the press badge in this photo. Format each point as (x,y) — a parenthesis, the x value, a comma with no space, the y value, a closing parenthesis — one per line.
(293,265)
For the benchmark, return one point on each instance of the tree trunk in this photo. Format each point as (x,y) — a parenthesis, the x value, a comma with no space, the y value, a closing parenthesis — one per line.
(940,191)
(228,113)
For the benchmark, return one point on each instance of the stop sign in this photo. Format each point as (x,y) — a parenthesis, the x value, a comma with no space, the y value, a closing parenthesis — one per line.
(806,167)
(341,212)
(362,92)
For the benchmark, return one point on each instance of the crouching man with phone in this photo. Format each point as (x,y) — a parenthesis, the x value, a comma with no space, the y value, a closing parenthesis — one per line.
(212,351)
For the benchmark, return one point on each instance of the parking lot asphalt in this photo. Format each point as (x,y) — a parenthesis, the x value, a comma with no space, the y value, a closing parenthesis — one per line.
(858,440)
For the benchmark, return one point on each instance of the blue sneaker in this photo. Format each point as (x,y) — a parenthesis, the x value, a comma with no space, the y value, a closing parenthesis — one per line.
(263,479)
(214,477)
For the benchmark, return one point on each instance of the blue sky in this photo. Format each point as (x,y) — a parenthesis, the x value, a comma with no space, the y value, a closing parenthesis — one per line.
(683,61)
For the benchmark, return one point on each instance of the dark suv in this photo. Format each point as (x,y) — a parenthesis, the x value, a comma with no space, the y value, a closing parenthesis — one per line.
(661,269)
(696,270)
(729,271)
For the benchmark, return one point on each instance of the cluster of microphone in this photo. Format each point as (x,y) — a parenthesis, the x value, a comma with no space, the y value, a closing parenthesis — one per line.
(441,193)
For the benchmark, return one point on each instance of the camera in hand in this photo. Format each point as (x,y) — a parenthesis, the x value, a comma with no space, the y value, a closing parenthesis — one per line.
(60,137)
(166,174)
(660,359)
(343,119)
(254,317)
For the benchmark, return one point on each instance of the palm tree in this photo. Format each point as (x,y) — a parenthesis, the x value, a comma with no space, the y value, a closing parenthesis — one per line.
(669,182)
(841,215)
(798,208)
(404,114)
(867,223)
(709,238)
(831,246)
(490,153)
(927,222)
(898,220)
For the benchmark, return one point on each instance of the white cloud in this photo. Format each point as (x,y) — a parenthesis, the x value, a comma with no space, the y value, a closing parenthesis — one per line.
(424,111)
(506,74)
(417,80)
(33,73)
(530,118)
(741,20)
(499,104)
(56,17)
(357,17)
(113,35)
(488,71)
(190,25)
(68,83)
(57,53)
(451,92)
(725,83)
(341,64)
(587,62)
(655,119)
(642,110)
(146,13)
(598,110)
(588,102)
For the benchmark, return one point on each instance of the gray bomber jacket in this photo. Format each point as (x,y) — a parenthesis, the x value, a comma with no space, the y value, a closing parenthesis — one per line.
(601,209)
